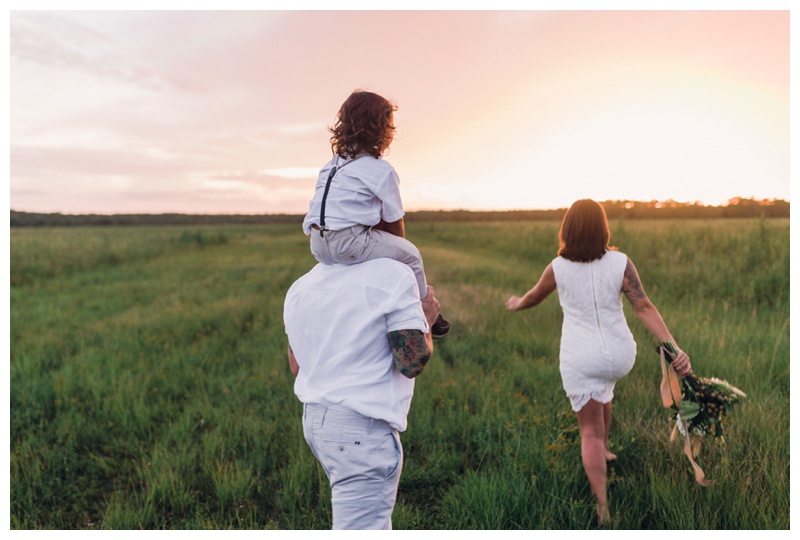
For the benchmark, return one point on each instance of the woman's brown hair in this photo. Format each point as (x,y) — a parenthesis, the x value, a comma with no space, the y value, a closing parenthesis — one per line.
(363,124)
(584,233)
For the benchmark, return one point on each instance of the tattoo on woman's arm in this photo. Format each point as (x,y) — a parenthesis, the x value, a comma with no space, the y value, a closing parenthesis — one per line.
(410,351)
(631,285)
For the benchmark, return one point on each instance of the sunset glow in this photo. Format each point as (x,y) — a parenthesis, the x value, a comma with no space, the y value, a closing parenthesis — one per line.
(226,112)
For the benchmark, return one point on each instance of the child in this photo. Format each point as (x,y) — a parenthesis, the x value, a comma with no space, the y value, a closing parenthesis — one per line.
(356,213)
(597,347)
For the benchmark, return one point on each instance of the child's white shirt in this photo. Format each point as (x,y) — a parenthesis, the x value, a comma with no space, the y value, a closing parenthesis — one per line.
(363,191)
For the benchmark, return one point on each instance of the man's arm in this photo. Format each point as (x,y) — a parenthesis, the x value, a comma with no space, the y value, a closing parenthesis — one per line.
(293,362)
(413,348)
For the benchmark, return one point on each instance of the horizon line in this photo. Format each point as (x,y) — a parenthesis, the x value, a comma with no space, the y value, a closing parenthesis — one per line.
(653,202)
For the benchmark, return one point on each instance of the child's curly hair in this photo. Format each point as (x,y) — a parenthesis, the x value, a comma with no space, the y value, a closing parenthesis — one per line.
(362,125)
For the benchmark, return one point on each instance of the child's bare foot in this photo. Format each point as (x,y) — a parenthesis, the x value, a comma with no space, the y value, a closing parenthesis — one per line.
(603,515)
(610,456)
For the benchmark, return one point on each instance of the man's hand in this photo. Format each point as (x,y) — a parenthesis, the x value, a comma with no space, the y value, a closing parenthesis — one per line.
(293,362)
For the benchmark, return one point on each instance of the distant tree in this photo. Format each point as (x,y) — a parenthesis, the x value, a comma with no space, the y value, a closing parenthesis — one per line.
(737,207)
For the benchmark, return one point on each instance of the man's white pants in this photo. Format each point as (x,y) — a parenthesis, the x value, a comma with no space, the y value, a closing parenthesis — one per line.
(362,458)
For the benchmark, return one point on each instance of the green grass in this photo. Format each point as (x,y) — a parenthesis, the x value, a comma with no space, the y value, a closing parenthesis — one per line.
(150,387)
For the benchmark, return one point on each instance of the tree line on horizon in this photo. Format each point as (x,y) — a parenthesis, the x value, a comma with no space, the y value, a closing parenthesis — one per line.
(737,207)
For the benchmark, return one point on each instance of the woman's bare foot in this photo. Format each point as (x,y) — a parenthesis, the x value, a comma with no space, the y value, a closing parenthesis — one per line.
(603,515)
(610,456)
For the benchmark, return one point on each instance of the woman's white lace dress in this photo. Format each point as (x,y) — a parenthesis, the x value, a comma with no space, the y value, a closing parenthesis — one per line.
(597,347)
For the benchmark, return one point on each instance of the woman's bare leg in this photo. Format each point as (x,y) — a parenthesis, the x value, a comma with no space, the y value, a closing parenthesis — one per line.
(607,421)
(592,425)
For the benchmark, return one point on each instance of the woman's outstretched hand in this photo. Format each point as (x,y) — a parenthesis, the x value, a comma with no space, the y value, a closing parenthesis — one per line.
(512,304)
(540,291)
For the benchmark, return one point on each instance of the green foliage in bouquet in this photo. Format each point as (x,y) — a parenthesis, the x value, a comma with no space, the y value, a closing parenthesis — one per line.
(704,401)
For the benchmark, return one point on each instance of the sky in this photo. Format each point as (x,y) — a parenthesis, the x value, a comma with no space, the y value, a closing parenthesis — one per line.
(227,112)
(220,112)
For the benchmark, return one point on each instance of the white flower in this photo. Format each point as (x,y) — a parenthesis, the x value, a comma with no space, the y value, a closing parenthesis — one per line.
(679,424)
(728,386)
(699,429)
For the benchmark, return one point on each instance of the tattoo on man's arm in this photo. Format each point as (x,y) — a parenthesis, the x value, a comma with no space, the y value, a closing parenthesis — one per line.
(410,350)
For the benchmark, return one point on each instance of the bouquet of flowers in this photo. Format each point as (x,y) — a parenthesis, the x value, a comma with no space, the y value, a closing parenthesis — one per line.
(704,402)
(699,405)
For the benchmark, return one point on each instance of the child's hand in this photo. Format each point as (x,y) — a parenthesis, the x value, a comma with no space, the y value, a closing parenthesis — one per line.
(430,307)
(397,228)
(512,304)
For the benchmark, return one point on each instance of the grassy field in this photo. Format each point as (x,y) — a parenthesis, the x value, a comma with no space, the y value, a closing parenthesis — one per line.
(150,388)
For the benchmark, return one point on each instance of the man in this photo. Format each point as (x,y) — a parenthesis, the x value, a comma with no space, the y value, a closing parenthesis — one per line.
(358,335)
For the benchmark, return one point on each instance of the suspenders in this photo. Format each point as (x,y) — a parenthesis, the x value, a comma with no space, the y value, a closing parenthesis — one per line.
(325,198)
(333,172)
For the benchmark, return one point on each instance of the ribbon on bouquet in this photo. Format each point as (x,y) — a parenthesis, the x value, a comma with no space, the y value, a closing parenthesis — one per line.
(671,387)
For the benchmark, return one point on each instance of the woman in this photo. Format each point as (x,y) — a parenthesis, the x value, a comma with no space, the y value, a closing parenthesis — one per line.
(597,347)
